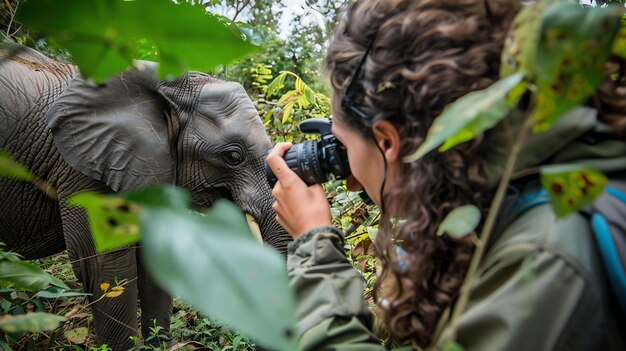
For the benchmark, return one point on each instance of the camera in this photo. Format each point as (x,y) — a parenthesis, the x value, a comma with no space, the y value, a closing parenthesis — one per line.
(315,161)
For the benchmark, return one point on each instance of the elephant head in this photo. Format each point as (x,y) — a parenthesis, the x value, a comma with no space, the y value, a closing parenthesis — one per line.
(197,132)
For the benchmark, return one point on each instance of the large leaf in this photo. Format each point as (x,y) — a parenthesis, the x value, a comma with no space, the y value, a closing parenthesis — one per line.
(571,187)
(210,263)
(460,222)
(10,168)
(520,46)
(114,221)
(102,35)
(472,114)
(32,322)
(8,255)
(574,45)
(277,84)
(24,275)
(160,196)
(54,292)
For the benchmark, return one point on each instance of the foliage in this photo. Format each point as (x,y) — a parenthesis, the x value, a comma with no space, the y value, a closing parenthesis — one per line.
(189,324)
(34,322)
(198,253)
(359,222)
(23,285)
(573,47)
(105,42)
(472,114)
(282,117)
(571,187)
(114,222)
(10,168)
(460,222)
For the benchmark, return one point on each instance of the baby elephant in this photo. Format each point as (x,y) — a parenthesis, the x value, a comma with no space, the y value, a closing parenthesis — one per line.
(132,131)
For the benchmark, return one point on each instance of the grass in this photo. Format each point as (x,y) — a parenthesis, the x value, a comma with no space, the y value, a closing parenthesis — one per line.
(188,326)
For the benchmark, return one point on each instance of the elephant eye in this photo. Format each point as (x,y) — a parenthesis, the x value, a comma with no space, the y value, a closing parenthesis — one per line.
(233,157)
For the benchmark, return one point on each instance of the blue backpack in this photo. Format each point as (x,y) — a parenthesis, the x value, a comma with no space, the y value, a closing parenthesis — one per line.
(608,220)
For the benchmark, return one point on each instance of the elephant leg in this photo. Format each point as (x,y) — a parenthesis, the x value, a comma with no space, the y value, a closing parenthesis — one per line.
(115,318)
(156,306)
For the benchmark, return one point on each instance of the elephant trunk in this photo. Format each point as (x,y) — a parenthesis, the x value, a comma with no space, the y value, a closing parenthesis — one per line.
(275,235)
(256,199)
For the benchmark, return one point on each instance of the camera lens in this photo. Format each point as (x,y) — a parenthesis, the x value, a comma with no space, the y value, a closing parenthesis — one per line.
(314,161)
(304,160)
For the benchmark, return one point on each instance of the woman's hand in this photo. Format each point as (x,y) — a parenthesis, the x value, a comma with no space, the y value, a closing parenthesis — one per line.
(298,207)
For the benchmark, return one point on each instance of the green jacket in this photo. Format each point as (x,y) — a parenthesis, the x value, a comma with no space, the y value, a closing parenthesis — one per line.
(540,285)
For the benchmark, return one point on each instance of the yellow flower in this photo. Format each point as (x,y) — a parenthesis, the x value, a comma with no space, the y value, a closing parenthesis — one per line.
(104,286)
(115,291)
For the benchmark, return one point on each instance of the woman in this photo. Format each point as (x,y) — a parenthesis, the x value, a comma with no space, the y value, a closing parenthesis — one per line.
(394,65)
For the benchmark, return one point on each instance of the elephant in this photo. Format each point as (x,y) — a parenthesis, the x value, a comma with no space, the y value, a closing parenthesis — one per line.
(135,130)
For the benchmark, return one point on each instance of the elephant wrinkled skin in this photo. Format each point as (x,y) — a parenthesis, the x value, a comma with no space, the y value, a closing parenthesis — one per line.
(132,131)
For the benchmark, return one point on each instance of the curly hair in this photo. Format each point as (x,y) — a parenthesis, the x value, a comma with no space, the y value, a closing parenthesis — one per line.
(424,55)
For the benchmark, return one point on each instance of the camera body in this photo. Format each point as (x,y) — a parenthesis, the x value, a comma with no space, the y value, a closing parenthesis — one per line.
(316,161)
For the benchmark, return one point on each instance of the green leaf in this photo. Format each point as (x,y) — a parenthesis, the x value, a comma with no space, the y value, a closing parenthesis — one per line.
(254,35)
(24,275)
(274,87)
(571,187)
(303,102)
(310,96)
(520,47)
(32,322)
(10,168)
(54,292)
(160,196)
(113,220)
(288,96)
(209,263)
(77,335)
(235,221)
(460,222)
(451,345)
(287,111)
(472,114)
(9,256)
(102,35)
(5,347)
(300,86)
(58,283)
(574,45)
(619,44)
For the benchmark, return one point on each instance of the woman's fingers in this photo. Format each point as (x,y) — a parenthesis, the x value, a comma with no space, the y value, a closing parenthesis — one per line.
(277,163)
(298,207)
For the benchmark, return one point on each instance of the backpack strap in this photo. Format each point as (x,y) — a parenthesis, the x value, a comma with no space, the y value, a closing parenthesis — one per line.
(608,220)
(527,202)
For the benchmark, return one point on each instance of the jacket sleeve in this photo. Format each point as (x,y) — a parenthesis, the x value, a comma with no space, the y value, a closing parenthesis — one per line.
(330,311)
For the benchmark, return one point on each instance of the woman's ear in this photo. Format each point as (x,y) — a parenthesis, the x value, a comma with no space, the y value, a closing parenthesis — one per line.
(388,139)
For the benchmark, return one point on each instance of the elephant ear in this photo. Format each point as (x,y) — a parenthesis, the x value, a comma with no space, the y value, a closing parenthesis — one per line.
(116,132)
